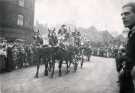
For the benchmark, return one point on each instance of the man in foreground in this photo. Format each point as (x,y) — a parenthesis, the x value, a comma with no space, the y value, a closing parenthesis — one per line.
(126,79)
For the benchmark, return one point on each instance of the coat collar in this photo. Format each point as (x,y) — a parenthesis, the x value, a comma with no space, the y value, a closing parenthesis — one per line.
(131,32)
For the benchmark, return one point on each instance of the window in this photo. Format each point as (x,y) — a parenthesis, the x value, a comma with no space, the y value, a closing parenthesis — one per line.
(20,20)
(21,3)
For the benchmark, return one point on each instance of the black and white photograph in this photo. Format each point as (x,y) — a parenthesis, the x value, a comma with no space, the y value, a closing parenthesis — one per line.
(67,46)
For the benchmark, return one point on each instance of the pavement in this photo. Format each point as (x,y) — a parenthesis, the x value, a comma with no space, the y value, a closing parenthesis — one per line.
(97,76)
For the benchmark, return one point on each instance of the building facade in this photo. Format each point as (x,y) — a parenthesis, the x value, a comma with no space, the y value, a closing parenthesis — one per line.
(17,19)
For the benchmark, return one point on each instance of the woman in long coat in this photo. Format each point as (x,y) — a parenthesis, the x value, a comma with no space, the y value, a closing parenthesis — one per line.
(10,62)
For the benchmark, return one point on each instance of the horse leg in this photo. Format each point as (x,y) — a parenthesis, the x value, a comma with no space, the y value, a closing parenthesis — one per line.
(50,63)
(50,66)
(53,67)
(38,65)
(60,65)
(82,61)
(67,70)
(46,67)
(75,65)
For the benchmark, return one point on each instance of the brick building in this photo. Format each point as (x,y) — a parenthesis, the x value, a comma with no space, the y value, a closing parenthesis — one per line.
(17,19)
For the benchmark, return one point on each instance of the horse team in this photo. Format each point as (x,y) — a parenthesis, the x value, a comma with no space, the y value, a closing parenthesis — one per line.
(63,48)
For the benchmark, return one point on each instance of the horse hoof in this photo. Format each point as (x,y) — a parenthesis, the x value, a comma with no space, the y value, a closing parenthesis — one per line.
(46,74)
(35,76)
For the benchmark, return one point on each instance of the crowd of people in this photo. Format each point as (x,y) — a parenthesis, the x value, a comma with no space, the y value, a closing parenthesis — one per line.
(106,52)
(15,55)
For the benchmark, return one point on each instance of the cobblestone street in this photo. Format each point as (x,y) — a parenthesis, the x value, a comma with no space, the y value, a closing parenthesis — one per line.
(97,76)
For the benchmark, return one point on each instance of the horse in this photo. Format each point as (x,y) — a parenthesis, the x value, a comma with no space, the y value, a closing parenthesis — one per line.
(53,40)
(64,55)
(45,53)
(49,56)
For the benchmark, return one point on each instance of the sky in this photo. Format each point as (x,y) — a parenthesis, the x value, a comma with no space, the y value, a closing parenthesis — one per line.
(103,14)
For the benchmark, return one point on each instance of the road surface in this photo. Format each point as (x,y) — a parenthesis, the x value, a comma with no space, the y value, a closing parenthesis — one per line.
(97,76)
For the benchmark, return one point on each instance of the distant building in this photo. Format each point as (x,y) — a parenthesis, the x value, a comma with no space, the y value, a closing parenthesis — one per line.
(17,19)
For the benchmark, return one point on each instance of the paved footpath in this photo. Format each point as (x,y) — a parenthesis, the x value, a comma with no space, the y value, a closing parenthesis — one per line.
(97,76)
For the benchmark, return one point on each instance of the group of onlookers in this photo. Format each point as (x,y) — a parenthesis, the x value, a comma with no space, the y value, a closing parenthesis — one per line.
(15,55)
(105,52)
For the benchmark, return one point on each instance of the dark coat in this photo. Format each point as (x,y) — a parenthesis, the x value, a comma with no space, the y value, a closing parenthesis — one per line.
(9,63)
(131,50)
(119,62)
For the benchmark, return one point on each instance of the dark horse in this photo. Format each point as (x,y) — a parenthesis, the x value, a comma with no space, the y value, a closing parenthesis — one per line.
(45,53)
(50,55)
(69,55)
